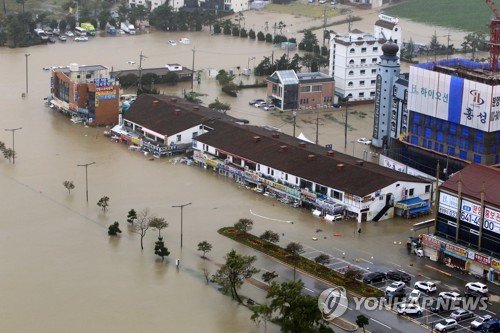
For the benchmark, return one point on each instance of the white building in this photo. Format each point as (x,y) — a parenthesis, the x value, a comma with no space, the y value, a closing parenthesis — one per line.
(153,4)
(354,58)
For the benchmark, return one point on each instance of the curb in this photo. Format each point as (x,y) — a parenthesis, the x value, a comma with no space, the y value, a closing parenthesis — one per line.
(438,270)
(343,323)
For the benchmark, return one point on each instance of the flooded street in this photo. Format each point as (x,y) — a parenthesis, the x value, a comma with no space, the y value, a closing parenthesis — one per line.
(61,272)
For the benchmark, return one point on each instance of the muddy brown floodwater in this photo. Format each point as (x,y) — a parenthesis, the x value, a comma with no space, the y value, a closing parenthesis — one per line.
(60,270)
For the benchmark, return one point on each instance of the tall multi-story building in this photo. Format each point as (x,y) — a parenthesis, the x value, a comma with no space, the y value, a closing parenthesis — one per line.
(222,5)
(354,57)
(86,91)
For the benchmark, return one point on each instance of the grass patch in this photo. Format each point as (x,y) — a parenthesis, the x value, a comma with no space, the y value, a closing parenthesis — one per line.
(467,15)
(304,264)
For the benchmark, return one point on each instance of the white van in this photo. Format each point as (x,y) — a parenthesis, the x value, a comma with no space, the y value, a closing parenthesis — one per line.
(79,31)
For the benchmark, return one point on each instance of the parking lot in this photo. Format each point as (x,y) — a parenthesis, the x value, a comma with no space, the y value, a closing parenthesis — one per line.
(339,262)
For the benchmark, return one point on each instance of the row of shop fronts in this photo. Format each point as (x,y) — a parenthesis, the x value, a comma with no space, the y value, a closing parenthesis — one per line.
(280,190)
(455,256)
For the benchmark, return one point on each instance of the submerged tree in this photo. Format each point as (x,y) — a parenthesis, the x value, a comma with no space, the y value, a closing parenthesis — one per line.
(140,225)
(204,247)
(160,249)
(294,249)
(158,223)
(362,321)
(114,229)
(131,216)
(103,203)
(69,185)
(231,275)
(270,236)
(244,225)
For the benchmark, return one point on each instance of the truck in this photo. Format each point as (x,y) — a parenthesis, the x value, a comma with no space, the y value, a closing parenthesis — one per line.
(131,29)
(128,28)
(89,28)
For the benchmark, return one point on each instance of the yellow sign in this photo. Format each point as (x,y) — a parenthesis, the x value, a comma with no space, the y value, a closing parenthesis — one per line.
(495,264)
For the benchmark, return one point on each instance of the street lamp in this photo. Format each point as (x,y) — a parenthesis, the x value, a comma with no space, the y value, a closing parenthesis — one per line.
(181,207)
(86,178)
(13,130)
(248,63)
(26,55)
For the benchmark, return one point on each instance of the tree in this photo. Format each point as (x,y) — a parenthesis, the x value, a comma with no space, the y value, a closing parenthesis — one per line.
(224,77)
(353,274)
(262,314)
(192,96)
(158,223)
(160,249)
(231,275)
(204,247)
(362,321)
(131,216)
(295,249)
(293,310)
(270,236)
(219,106)
(267,277)
(409,51)
(140,225)
(103,203)
(8,154)
(308,41)
(114,229)
(171,78)
(69,185)
(322,259)
(244,225)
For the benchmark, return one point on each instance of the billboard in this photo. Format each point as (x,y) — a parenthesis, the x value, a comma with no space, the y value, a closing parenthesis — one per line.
(469,103)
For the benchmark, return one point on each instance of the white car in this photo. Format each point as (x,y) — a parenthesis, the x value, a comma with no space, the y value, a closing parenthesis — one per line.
(172,42)
(461,314)
(409,309)
(260,104)
(446,325)
(414,296)
(269,107)
(69,33)
(453,295)
(130,62)
(477,286)
(364,141)
(81,39)
(396,285)
(478,322)
(426,286)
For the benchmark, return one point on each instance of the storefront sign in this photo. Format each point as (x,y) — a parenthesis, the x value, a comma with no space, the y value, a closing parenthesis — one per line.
(495,264)
(456,249)
(471,208)
(448,200)
(447,211)
(491,220)
(431,242)
(482,259)
(308,194)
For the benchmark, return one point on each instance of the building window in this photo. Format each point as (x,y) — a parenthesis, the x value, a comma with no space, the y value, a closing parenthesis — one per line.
(178,138)
(317,88)
(305,88)
(352,51)
(361,95)
(372,82)
(195,134)
(362,83)
(363,61)
(375,49)
(374,60)
(374,71)
(363,50)
(372,93)
(351,62)
(350,84)
(351,72)
(411,192)
(362,72)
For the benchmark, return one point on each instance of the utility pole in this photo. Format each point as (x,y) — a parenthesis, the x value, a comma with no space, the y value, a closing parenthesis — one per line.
(141,56)
(294,117)
(13,130)
(86,165)
(192,69)
(345,127)
(26,55)
(317,127)
(324,24)
(181,207)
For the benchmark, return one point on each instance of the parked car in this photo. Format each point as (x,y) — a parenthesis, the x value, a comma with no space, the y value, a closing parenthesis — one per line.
(81,39)
(426,286)
(364,141)
(452,295)
(62,38)
(374,277)
(395,296)
(69,33)
(446,325)
(491,326)
(269,107)
(398,276)
(477,323)
(441,304)
(475,295)
(172,42)
(407,309)
(477,286)
(260,104)
(255,100)
(461,314)
(398,285)
(414,296)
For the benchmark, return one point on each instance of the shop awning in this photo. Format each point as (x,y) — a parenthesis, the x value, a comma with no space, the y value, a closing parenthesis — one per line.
(419,209)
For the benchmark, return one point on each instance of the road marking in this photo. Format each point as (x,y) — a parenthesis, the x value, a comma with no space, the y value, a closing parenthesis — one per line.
(493,313)
(375,320)
(395,264)
(270,218)
(366,261)
(309,290)
(314,251)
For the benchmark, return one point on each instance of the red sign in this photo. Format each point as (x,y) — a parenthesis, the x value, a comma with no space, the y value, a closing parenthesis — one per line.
(485,260)
(431,242)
